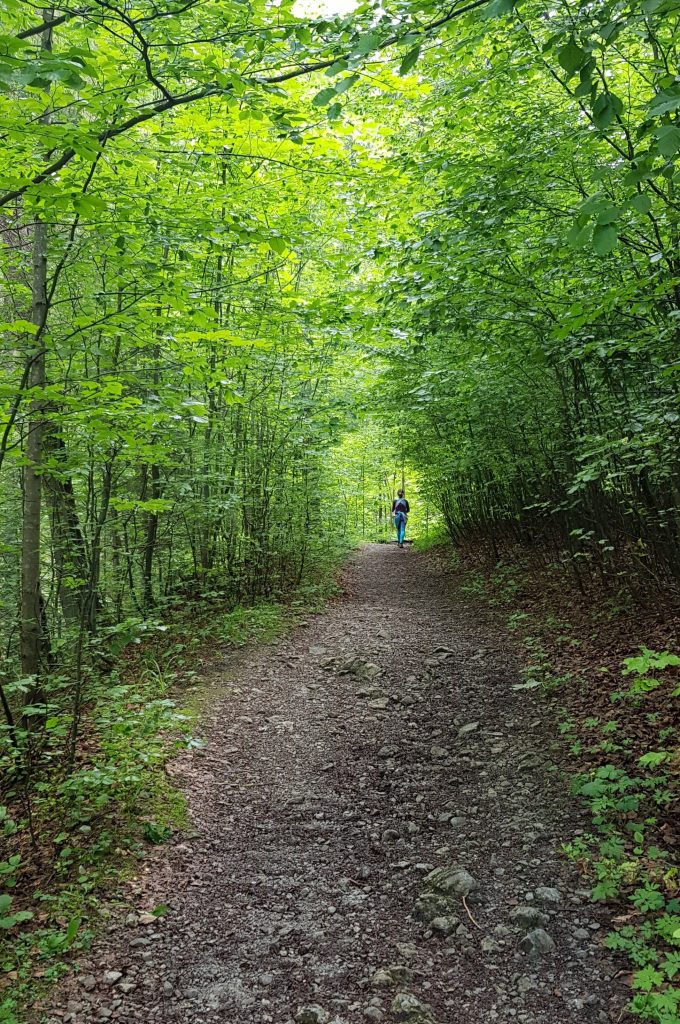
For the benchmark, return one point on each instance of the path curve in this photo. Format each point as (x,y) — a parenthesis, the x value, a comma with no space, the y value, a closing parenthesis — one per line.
(342,765)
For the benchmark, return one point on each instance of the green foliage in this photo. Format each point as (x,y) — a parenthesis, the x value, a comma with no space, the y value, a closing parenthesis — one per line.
(644,684)
(101,816)
(626,856)
(628,863)
(290,261)
(94,816)
(530,316)
(9,870)
(155,833)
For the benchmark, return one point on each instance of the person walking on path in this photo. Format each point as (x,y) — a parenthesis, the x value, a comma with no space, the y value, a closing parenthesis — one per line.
(400,511)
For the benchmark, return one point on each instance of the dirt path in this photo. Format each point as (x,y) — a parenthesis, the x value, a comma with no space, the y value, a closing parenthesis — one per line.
(326,795)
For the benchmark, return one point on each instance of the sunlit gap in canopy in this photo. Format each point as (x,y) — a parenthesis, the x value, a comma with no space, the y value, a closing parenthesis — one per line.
(322,8)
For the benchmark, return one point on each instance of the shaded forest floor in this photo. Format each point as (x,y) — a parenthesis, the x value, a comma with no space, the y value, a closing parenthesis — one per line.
(574,643)
(343,765)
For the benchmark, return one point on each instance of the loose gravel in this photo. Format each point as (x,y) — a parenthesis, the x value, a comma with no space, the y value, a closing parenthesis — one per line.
(376,826)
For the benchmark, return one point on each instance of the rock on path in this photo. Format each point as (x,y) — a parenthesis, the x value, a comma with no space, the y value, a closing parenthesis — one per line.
(344,765)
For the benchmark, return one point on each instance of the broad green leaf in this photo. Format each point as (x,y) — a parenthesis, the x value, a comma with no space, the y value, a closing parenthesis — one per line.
(606,108)
(498,8)
(572,57)
(409,60)
(367,43)
(345,83)
(605,239)
(578,236)
(608,213)
(641,202)
(665,103)
(323,97)
(668,138)
(19,326)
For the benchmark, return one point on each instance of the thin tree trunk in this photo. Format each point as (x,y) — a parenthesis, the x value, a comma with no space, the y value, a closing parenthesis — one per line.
(150,542)
(32,614)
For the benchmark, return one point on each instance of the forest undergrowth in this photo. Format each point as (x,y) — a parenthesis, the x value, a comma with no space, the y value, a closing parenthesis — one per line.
(607,669)
(87,828)
(260,266)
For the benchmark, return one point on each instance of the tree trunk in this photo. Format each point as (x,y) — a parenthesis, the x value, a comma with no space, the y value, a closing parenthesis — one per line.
(150,542)
(32,611)
(68,543)
(31,602)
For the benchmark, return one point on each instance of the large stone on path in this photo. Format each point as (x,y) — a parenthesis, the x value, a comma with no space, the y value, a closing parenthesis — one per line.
(528,917)
(312,1014)
(395,974)
(362,668)
(406,1007)
(451,880)
(537,942)
(443,925)
(547,894)
(431,904)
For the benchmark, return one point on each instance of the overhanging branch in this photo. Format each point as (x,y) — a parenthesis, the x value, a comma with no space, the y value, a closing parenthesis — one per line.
(171,102)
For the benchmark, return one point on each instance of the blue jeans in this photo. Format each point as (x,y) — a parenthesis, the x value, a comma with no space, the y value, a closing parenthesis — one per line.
(400,523)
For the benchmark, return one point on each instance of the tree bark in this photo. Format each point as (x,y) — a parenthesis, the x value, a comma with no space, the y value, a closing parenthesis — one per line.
(32,615)
(150,542)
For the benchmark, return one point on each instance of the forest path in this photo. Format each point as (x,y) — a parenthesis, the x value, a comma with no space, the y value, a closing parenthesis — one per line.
(324,797)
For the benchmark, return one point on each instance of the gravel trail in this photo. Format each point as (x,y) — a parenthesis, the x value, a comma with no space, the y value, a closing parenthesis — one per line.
(343,765)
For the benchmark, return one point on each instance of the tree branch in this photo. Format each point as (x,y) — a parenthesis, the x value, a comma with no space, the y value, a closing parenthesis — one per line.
(36,30)
(214,90)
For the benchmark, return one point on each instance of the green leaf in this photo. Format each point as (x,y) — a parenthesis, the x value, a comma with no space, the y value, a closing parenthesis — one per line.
(335,69)
(607,214)
(155,833)
(665,103)
(345,83)
(578,236)
(671,965)
(498,8)
(605,239)
(668,140)
(606,107)
(641,202)
(572,57)
(19,326)
(647,979)
(71,931)
(409,60)
(367,43)
(9,922)
(654,758)
(323,97)
(585,86)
